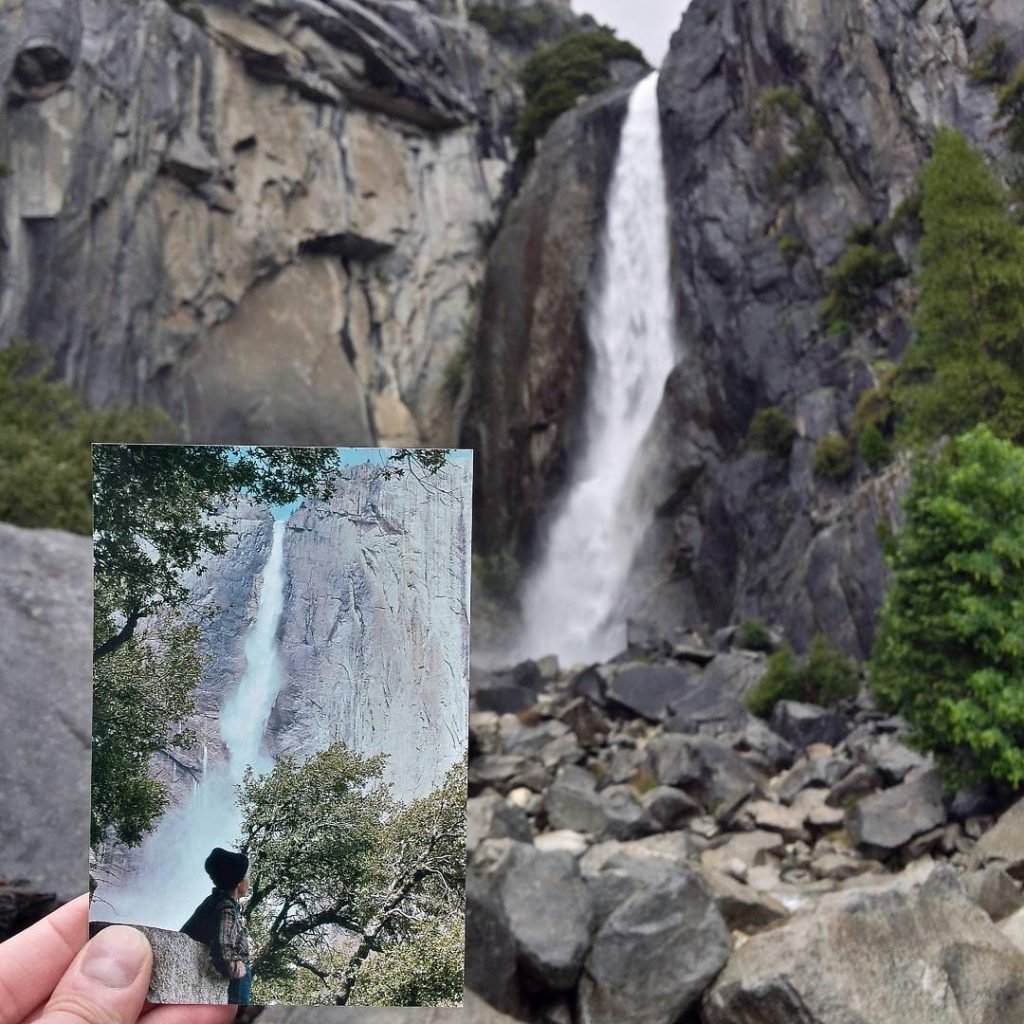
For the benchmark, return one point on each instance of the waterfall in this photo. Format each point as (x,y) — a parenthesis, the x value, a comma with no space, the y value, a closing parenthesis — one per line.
(570,601)
(171,881)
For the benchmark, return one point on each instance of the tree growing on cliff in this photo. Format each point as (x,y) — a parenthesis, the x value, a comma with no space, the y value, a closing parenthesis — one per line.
(967,363)
(949,654)
(355,897)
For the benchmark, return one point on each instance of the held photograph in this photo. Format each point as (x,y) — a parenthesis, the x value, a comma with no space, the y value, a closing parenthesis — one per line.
(280,690)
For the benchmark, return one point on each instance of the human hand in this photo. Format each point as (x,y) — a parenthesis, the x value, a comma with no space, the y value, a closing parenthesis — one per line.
(237,969)
(49,974)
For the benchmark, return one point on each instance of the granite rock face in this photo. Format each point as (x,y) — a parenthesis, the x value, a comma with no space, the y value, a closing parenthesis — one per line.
(740,533)
(45,702)
(910,950)
(269,191)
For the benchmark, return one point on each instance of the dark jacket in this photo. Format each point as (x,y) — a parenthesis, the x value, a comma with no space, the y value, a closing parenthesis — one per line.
(217,923)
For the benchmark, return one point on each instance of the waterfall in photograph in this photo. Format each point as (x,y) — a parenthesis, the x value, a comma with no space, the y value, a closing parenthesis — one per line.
(171,882)
(570,602)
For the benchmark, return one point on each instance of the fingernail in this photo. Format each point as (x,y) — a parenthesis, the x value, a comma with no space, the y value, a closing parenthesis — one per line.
(116,956)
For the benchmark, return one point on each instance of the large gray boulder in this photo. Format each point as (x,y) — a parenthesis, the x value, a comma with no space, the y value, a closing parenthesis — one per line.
(887,820)
(658,947)
(909,951)
(650,690)
(1004,843)
(528,921)
(704,768)
(493,817)
(45,708)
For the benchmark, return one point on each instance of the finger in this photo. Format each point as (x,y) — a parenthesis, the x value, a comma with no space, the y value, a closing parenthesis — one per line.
(107,983)
(190,1015)
(33,961)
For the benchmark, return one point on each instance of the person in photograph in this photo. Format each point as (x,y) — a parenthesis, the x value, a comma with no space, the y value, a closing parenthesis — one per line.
(218,923)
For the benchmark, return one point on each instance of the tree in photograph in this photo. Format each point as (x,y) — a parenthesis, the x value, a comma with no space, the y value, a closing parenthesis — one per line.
(967,362)
(949,654)
(347,884)
(141,691)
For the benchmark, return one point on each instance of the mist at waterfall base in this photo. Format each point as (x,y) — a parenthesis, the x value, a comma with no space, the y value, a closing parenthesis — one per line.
(172,882)
(570,602)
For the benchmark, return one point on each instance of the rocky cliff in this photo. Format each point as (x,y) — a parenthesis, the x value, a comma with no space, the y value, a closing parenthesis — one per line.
(199,199)
(788,127)
(791,131)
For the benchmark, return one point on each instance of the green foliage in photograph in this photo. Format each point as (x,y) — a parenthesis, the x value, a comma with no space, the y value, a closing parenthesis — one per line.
(555,77)
(425,970)
(142,691)
(772,431)
(753,635)
(824,677)
(874,449)
(853,281)
(45,433)
(967,363)
(949,652)
(833,458)
(354,894)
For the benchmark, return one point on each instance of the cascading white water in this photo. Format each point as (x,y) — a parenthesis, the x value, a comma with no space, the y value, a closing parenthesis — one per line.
(171,882)
(570,601)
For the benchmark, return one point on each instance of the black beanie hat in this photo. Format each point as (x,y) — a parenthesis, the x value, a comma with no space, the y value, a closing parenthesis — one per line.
(225,868)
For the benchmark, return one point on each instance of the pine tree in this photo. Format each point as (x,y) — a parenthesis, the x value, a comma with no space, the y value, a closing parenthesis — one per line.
(949,654)
(967,364)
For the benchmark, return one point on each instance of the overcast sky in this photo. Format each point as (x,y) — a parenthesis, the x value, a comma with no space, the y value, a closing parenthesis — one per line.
(648,23)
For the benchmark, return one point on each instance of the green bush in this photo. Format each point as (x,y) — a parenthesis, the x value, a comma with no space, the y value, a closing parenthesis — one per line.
(966,363)
(45,436)
(833,458)
(802,167)
(523,27)
(753,635)
(874,449)
(991,66)
(824,677)
(852,282)
(772,431)
(949,652)
(875,406)
(555,77)
(1011,109)
(791,248)
(782,101)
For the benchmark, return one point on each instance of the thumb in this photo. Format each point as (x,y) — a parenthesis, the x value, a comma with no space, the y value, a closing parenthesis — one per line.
(107,982)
